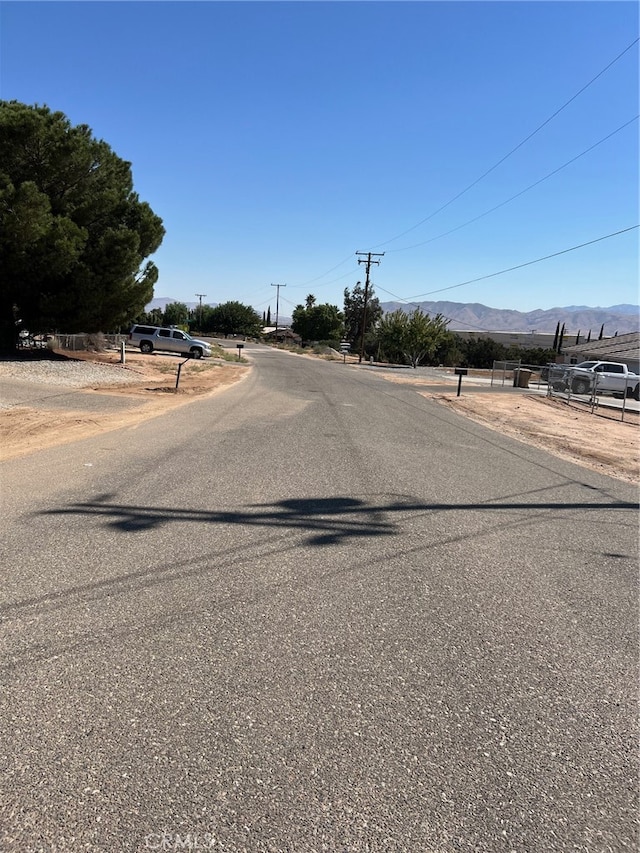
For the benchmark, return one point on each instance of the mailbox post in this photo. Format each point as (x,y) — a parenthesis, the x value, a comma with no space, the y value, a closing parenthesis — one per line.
(460,372)
(240,347)
(180,366)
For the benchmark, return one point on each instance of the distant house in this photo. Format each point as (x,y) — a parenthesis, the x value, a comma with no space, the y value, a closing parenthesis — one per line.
(624,349)
(284,335)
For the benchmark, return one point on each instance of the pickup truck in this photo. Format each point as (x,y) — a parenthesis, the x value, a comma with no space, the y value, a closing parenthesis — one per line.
(603,377)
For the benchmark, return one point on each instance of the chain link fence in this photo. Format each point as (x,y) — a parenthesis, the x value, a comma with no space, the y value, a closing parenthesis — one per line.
(89,343)
(562,382)
(592,389)
(518,374)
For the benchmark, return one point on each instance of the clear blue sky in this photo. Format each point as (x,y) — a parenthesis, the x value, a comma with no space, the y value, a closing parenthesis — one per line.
(277,139)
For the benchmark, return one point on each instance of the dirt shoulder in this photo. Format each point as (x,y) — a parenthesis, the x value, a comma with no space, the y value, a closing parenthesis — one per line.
(150,387)
(597,441)
(600,441)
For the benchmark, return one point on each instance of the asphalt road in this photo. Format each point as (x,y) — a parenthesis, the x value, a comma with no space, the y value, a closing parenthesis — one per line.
(316,612)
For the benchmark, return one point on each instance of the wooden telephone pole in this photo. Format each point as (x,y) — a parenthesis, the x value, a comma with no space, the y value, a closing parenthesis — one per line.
(368,261)
(201,296)
(278,286)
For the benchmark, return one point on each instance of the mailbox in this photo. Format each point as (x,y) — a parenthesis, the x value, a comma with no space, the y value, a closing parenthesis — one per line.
(460,372)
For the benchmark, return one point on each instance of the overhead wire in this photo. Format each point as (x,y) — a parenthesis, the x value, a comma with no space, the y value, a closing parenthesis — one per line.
(472,326)
(526,264)
(518,194)
(333,280)
(417,305)
(317,278)
(482,177)
(513,150)
(529,263)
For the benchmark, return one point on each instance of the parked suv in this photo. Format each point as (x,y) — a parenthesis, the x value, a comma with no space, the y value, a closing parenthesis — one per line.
(150,338)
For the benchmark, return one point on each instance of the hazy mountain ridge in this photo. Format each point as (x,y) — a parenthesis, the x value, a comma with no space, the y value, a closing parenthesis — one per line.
(473,316)
(576,318)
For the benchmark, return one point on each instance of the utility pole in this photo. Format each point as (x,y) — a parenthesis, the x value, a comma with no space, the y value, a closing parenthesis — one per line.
(368,262)
(200,295)
(278,286)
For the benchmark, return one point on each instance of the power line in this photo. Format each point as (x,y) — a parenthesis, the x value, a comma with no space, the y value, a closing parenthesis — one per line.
(513,150)
(472,326)
(522,192)
(527,264)
(476,328)
(288,301)
(312,280)
(484,175)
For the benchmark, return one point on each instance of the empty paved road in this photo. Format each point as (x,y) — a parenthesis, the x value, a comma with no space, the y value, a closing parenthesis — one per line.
(316,612)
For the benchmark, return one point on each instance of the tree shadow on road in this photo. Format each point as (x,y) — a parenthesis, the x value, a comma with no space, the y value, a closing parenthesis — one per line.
(319,522)
(325,521)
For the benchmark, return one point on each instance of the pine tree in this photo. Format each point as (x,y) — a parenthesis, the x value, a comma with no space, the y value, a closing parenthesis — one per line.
(74,235)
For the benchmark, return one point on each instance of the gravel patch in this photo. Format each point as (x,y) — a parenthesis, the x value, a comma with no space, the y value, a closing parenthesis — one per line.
(67,374)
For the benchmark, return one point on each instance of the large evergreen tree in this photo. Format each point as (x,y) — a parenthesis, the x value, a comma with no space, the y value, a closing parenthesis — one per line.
(74,236)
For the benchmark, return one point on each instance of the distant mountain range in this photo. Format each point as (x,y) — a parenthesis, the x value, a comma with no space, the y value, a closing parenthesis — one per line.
(474,317)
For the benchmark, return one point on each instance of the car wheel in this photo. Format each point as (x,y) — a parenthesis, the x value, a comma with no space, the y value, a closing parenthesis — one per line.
(146,346)
(196,353)
(636,392)
(581,386)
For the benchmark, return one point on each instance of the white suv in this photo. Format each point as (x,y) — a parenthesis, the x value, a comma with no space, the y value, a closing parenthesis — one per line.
(150,338)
